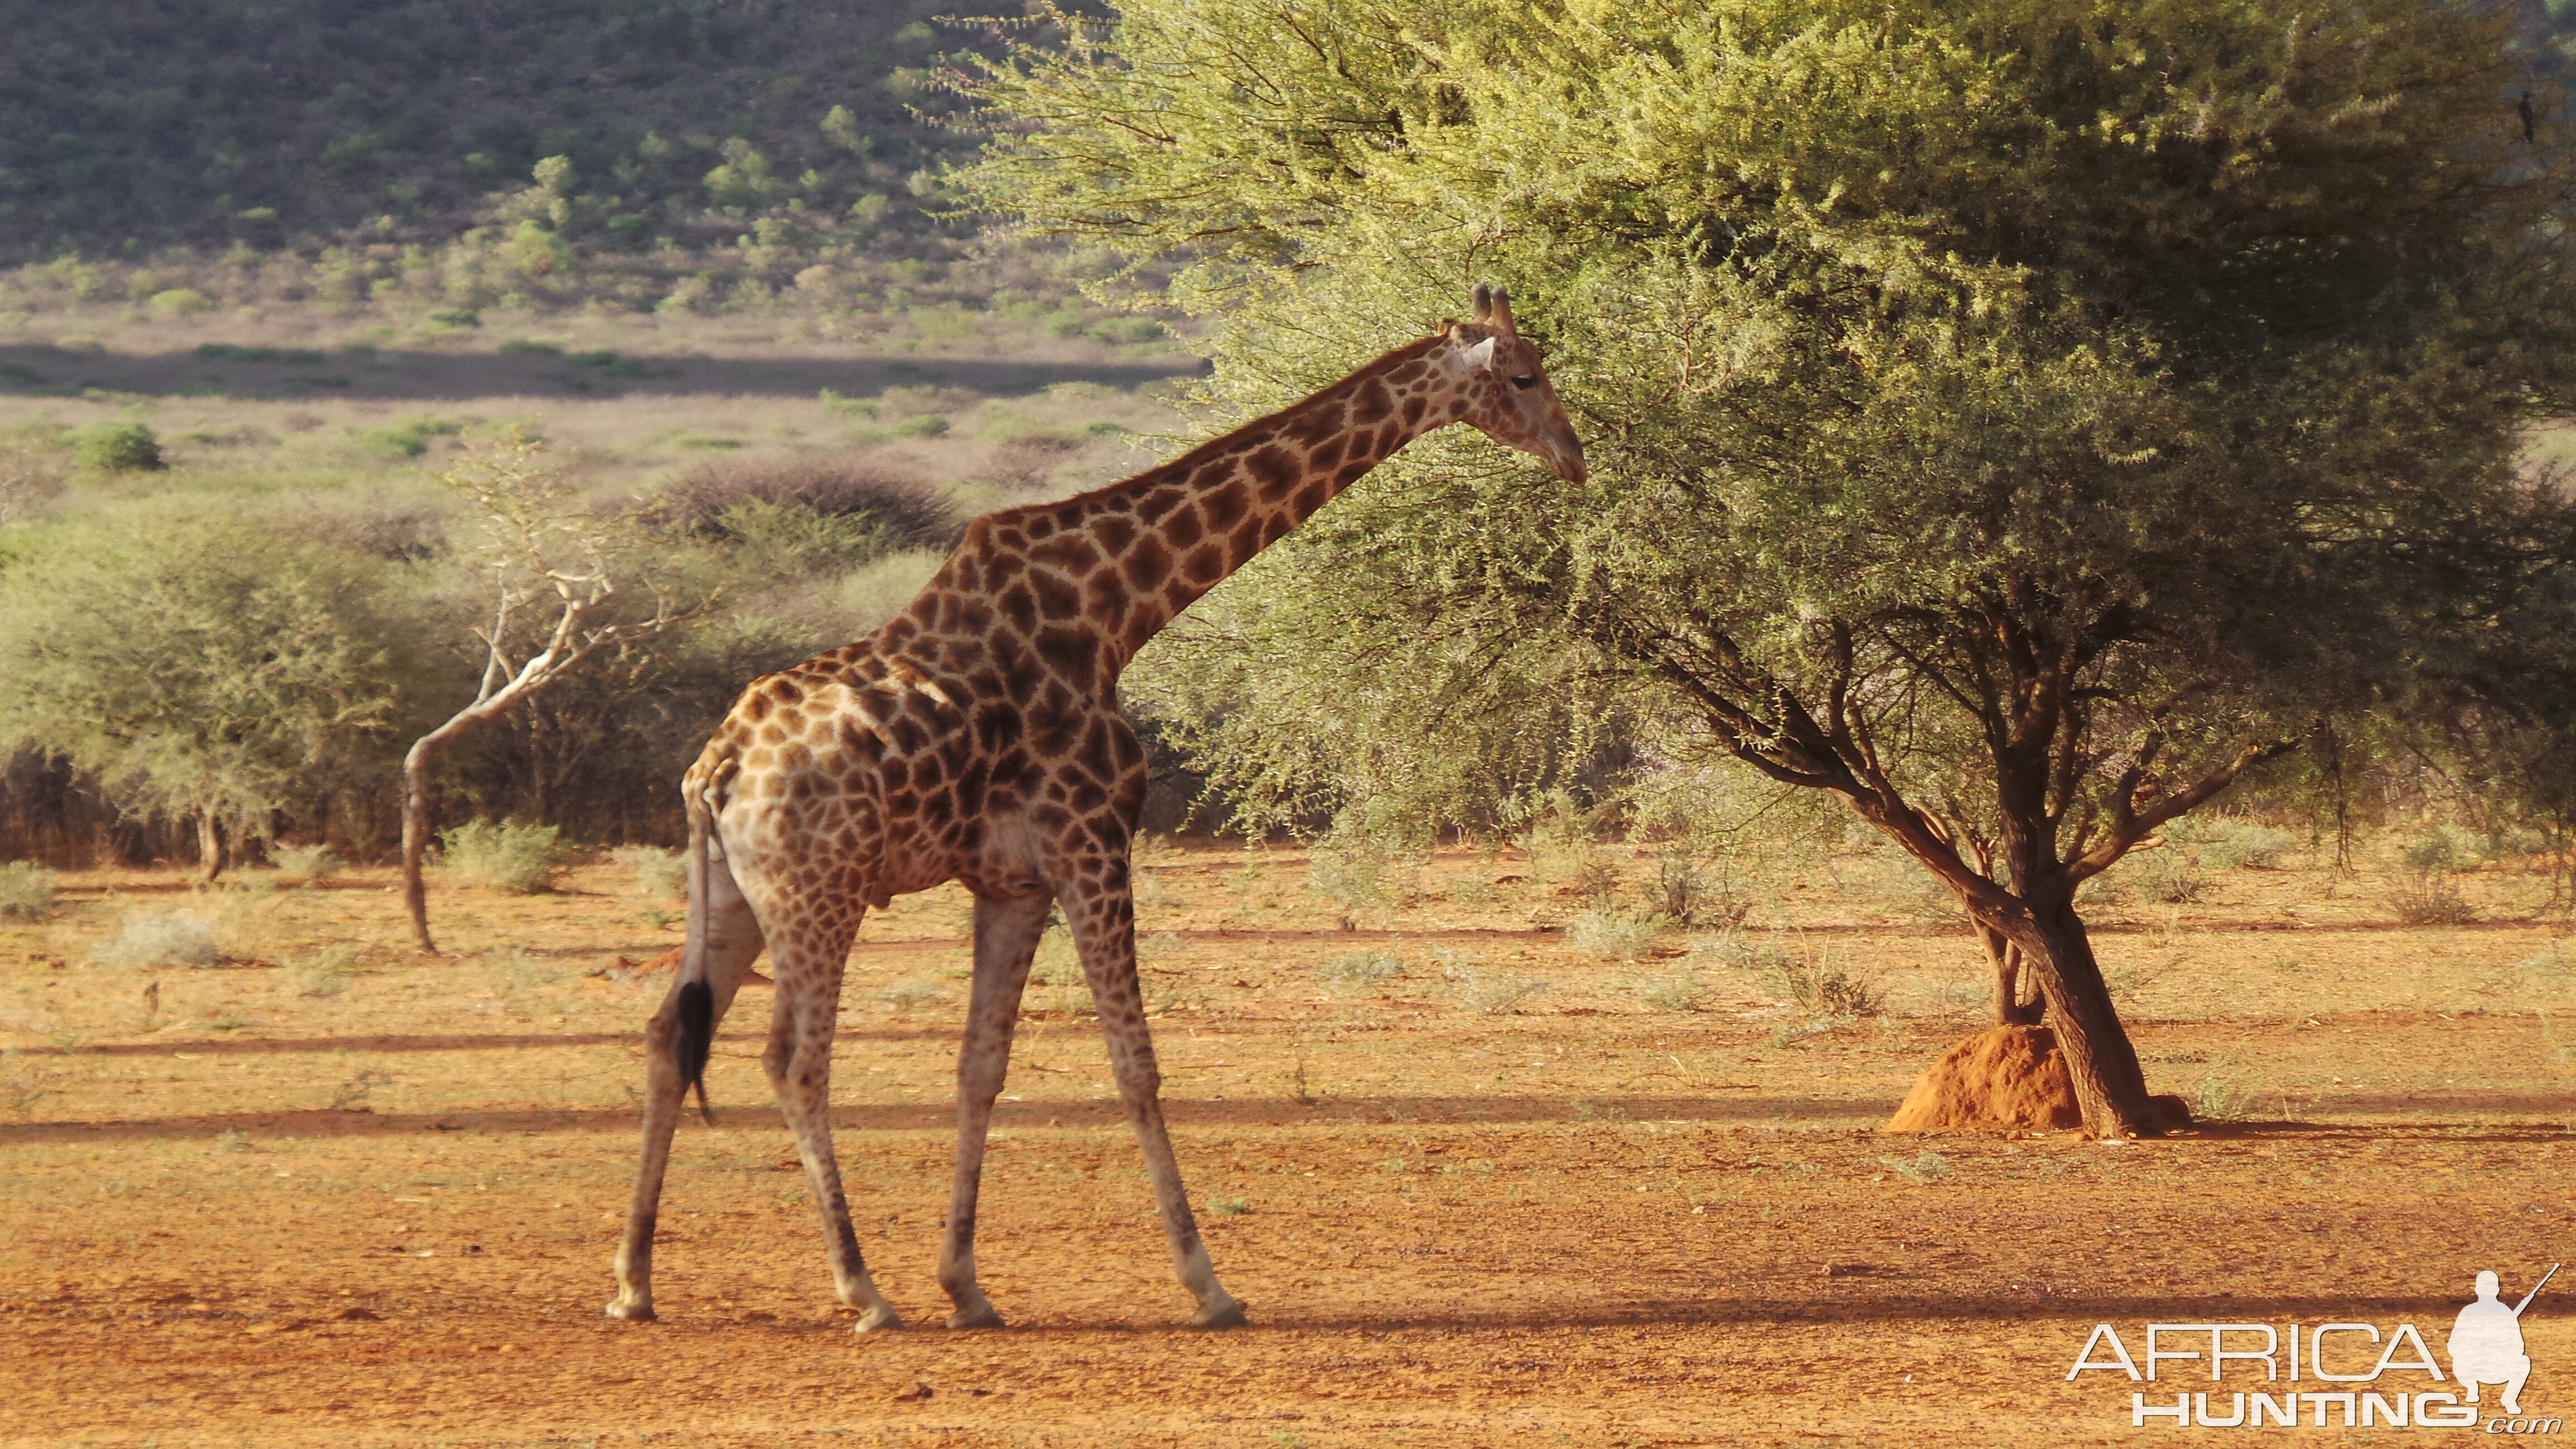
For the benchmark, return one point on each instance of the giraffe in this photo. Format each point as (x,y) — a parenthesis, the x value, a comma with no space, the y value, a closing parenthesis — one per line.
(977,737)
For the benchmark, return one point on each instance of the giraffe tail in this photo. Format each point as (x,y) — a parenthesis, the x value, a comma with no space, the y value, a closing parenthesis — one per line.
(696,1001)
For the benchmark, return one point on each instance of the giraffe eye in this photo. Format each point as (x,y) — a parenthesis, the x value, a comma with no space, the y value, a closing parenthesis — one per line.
(1526,382)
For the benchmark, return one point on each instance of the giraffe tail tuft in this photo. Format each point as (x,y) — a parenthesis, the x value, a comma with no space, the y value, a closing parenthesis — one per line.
(697,1040)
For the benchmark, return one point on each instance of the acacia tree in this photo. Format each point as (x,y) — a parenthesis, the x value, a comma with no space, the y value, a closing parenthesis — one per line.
(205,665)
(556,579)
(2017,419)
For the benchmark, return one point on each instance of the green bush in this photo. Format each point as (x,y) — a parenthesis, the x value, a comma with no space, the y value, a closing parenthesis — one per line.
(1361,966)
(115,447)
(25,891)
(181,301)
(410,437)
(520,860)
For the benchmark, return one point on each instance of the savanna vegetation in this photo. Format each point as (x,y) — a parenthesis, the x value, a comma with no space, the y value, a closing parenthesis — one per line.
(2087,449)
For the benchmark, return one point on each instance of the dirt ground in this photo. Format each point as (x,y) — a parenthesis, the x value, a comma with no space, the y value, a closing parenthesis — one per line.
(1477,1183)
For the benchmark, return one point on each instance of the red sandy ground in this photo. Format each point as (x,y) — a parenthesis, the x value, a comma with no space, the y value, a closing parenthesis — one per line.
(383,1216)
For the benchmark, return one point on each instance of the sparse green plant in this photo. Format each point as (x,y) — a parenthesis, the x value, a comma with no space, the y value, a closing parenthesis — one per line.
(1361,967)
(232,1139)
(353,1094)
(1225,1207)
(2438,849)
(910,992)
(1057,969)
(162,938)
(2231,844)
(1923,1169)
(2170,873)
(1684,990)
(659,874)
(308,864)
(1493,995)
(26,890)
(2220,1099)
(515,859)
(24,1087)
(1825,986)
(2430,898)
(1619,935)
(1691,895)
(326,972)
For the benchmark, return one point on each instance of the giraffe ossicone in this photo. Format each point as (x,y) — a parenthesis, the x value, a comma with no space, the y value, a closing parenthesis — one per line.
(977,737)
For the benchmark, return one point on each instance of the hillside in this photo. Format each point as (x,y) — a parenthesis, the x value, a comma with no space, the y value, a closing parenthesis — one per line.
(129,125)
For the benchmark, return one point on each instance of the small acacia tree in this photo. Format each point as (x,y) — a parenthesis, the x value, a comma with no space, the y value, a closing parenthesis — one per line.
(2018,419)
(561,585)
(205,664)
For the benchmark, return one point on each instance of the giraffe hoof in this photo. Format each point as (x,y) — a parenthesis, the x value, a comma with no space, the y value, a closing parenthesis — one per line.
(1228,1314)
(881,1318)
(632,1312)
(981,1316)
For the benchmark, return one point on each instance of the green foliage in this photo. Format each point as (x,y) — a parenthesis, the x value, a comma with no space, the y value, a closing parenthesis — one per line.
(200,659)
(515,859)
(108,447)
(26,891)
(410,437)
(2020,409)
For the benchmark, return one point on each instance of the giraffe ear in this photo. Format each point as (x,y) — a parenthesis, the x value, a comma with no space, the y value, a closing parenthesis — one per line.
(1481,356)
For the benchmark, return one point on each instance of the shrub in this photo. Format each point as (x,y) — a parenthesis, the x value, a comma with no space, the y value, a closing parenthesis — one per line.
(25,890)
(1681,991)
(181,302)
(2428,898)
(1615,934)
(162,938)
(1492,995)
(521,860)
(311,864)
(2437,849)
(2170,874)
(115,448)
(2220,1099)
(2249,846)
(410,437)
(1822,986)
(905,510)
(1361,966)
(659,874)
(910,992)
(1921,1170)
(326,972)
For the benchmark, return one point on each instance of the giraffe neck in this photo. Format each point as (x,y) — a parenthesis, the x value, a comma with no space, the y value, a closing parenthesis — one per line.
(1083,584)
(1173,532)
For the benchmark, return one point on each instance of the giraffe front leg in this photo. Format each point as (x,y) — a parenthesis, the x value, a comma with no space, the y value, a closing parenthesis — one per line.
(1006,937)
(799,1063)
(1104,926)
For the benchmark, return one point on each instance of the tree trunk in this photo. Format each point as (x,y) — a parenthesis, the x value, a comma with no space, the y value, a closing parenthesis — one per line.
(415,837)
(210,847)
(2013,1006)
(2110,1086)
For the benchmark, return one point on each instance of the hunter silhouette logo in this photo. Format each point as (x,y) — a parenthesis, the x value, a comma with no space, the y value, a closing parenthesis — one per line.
(2486,1342)
(2485,1347)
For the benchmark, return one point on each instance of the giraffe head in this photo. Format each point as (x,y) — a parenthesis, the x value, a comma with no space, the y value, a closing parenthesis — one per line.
(1507,395)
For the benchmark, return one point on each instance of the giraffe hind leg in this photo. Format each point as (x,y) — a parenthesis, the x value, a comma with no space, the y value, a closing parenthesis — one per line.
(810,943)
(1006,938)
(732,939)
